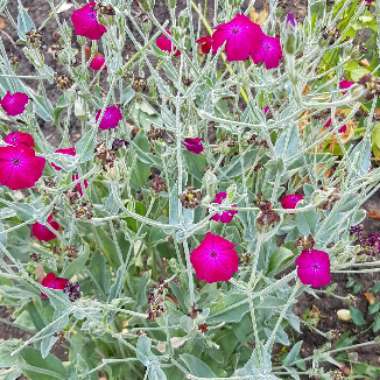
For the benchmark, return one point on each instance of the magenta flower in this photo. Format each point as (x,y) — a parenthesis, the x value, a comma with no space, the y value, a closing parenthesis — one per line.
(70,151)
(165,44)
(215,259)
(97,62)
(81,185)
(269,52)
(85,22)
(344,85)
(19,138)
(241,37)
(290,201)
(20,168)
(266,110)
(342,129)
(313,268)
(52,281)
(193,144)
(205,44)
(14,104)
(42,233)
(224,216)
(111,117)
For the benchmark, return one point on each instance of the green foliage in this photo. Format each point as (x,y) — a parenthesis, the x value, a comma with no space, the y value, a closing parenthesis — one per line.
(142,313)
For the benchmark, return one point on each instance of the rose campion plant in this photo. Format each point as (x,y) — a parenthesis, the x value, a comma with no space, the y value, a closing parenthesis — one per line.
(18,138)
(215,259)
(42,232)
(14,104)
(111,117)
(196,187)
(313,268)
(20,168)
(97,62)
(85,22)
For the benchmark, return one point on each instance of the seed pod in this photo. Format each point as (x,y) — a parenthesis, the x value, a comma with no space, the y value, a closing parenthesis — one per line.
(191,198)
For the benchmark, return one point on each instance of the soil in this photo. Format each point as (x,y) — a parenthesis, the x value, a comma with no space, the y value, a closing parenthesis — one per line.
(326,305)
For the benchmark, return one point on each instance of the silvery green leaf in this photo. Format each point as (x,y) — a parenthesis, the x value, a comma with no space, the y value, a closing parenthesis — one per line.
(6,348)
(287,143)
(278,259)
(3,235)
(359,159)
(156,373)
(47,344)
(3,4)
(113,203)
(293,354)
(33,365)
(306,222)
(127,96)
(188,216)
(24,22)
(174,205)
(259,366)
(86,145)
(148,359)
(6,213)
(76,266)
(196,366)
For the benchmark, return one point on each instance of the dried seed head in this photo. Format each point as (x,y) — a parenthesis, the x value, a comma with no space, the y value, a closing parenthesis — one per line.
(194,312)
(73,291)
(331,35)
(34,38)
(107,9)
(35,257)
(73,196)
(71,252)
(139,84)
(63,82)
(54,50)
(156,298)
(49,182)
(371,84)
(119,143)
(84,211)
(267,217)
(157,183)
(187,82)
(160,134)
(14,59)
(305,242)
(330,201)
(191,198)
(106,156)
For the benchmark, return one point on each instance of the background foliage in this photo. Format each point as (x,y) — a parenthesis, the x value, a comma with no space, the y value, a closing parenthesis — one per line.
(132,241)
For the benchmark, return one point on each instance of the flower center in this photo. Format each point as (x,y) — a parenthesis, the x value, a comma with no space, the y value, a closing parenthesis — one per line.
(315,267)
(16,162)
(235,30)
(213,254)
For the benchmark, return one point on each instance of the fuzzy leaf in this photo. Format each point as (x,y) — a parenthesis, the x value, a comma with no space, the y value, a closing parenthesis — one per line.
(24,22)
(196,366)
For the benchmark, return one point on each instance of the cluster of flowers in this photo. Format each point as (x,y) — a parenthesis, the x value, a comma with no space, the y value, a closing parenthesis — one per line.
(242,39)
(216,258)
